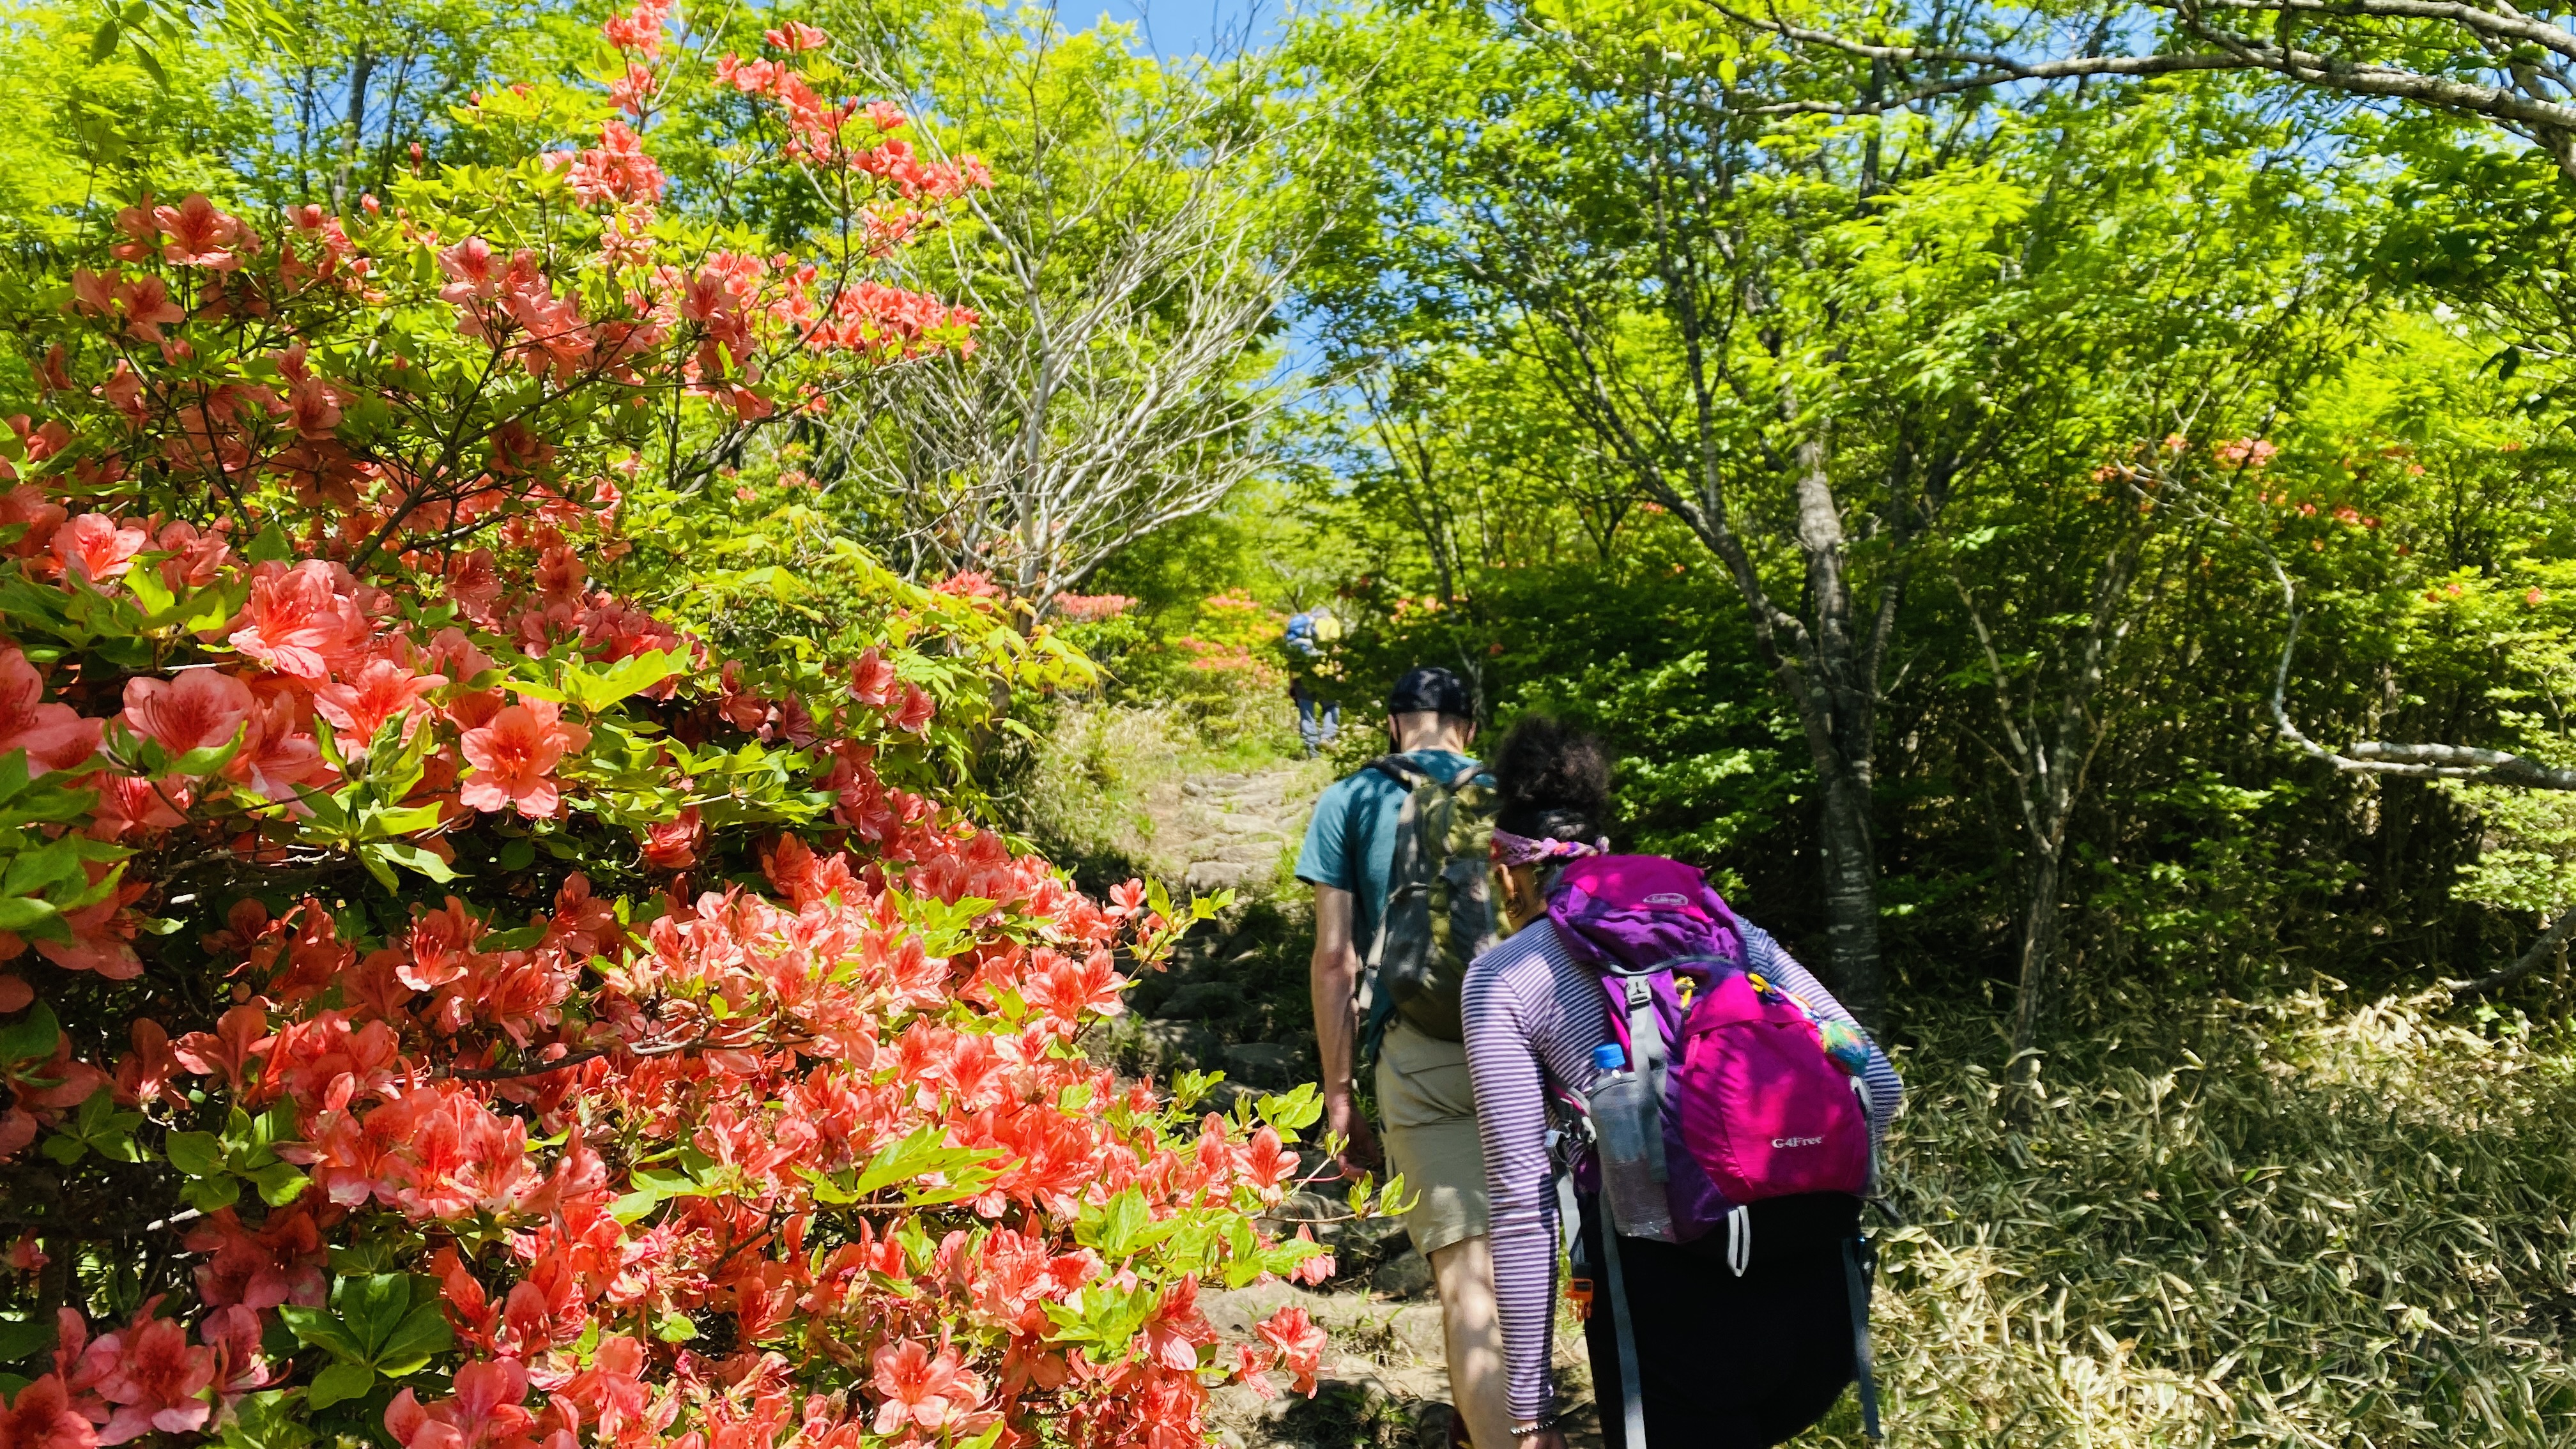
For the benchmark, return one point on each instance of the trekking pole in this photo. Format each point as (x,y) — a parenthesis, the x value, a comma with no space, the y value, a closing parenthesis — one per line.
(1632,1394)
(1856,1277)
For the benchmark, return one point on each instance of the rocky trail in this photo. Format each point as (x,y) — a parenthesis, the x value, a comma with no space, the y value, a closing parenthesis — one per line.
(1233,830)
(1236,1001)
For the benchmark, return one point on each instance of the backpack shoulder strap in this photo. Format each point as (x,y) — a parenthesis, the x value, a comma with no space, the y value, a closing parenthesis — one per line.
(1648,1052)
(1409,777)
(1399,769)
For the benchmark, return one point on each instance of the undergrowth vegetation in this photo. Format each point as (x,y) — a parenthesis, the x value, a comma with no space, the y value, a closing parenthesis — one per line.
(2312,1220)
(1079,784)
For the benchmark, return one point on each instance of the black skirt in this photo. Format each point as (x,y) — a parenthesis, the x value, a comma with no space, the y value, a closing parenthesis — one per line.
(1729,1362)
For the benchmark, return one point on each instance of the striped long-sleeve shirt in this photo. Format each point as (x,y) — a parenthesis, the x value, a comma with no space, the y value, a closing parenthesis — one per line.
(1533,1016)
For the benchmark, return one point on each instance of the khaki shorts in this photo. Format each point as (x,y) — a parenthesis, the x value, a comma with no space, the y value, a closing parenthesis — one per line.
(1428,1109)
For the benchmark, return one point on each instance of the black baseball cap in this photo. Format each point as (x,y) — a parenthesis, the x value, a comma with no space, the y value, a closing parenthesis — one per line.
(1430,688)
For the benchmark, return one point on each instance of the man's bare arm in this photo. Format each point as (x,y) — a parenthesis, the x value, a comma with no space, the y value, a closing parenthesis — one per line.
(1335,980)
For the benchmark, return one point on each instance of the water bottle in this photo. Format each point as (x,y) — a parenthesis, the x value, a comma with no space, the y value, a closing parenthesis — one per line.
(1628,1132)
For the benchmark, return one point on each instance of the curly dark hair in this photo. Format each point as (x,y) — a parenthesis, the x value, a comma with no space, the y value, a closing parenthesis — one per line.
(1555,780)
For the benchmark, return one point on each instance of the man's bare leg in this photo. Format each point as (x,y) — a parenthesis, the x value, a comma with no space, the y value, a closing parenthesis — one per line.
(1479,1388)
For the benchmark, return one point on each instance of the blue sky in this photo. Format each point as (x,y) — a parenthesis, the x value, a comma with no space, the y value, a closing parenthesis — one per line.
(1181,27)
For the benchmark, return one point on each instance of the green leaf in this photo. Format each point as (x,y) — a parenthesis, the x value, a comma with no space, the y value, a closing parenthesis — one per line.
(422,1335)
(410,857)
(271,546)
(20,1337)
(675,1328)
(403,819)
(264,1421)
(373,1306)
(211,608)
(31,1037)
(209,759)
(596,690)
(916,1156)
(26,604)
(148,589)
(102,42)
(1292,1112)
(214,1193)
(279,1183)
(194,1153)
(340,1382)
(277,1124)
(320,1328)
(21,914)
(1121,1223)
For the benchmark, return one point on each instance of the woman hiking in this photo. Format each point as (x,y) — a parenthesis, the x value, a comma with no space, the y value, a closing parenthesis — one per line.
(1741,1318)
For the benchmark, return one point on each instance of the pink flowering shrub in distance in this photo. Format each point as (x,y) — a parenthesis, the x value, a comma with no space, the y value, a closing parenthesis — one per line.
(1092,608)
(443,1005)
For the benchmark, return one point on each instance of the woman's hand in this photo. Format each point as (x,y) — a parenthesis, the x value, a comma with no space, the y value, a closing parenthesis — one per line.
(1550,1437)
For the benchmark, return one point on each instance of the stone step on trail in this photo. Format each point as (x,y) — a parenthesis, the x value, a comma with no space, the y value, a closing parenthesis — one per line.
(1230,831)
(1383,1358)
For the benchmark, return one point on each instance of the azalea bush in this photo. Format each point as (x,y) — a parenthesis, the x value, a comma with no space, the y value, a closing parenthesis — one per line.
(1218,658)
(447,1003)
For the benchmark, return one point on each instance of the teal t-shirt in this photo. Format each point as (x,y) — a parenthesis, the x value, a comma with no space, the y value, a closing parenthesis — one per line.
(1350,844)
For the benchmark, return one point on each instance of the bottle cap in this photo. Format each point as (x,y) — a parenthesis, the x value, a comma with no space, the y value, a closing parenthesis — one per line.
(1608,1057)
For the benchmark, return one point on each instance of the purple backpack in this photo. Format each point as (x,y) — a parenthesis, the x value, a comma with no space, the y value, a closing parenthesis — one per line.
(1759,1096)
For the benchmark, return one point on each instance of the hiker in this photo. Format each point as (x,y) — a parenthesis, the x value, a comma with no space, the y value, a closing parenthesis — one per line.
(1390,847)
(1311,672)
(1761,1108)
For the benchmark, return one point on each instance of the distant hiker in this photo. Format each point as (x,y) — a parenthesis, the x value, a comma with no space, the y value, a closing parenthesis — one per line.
(1730,1140)
(1312,683)
(1397,857)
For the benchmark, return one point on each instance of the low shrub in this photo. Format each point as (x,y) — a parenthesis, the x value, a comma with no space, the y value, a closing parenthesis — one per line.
(2316,1221)
(446,1003)
(1218,662)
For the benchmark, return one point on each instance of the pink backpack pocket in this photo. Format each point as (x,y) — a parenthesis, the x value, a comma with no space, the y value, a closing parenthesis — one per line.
(1763,1109)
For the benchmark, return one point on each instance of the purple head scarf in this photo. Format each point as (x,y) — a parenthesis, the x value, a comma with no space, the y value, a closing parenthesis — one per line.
(1509,849)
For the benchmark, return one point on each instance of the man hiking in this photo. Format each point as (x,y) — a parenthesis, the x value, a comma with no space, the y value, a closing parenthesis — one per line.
(1314,677)
(1397,856)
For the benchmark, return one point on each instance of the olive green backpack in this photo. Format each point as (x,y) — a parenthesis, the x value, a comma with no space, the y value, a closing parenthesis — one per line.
(1440,908)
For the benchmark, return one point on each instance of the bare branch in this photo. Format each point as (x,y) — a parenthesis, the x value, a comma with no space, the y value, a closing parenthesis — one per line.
(2504,24)
(2528,103)
(2461,762)
(2541,950)
(512,1074)
(1123,377)
(2380,757)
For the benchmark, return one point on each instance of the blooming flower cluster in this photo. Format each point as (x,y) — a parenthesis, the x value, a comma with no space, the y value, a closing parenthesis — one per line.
(453,1005)
(1092,608)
